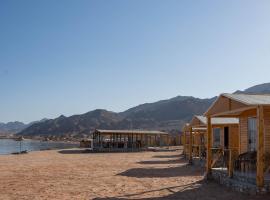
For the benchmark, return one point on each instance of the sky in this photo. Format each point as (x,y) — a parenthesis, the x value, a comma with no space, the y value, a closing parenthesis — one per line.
(69,57)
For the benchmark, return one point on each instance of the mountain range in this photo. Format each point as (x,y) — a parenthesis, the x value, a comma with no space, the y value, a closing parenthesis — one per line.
(167,115)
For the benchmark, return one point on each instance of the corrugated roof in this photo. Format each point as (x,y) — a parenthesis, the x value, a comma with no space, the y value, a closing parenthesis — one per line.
(132,132)
(250,99)
(218,121)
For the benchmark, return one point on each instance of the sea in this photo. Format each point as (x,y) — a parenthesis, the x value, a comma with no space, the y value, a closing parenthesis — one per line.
(9,146)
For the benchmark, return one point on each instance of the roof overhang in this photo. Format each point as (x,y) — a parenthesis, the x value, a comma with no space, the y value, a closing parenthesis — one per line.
(228,105)
(144,132)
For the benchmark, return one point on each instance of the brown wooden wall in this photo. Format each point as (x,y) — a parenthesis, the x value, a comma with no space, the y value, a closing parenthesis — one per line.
(267,129)
(197,139)
(243,129)
(234,137)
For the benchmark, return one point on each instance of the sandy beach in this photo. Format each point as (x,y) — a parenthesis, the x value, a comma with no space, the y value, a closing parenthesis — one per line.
(70,174)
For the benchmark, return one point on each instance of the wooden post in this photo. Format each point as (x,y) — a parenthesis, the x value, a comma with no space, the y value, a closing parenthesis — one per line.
(209,146)
(185,143)
(110,142)
(200,151)
(230,170)
(190,144)
(260,148)
(131,141)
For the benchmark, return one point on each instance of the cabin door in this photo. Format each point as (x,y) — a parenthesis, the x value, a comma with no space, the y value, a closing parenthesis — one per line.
(252,134)
(226,137)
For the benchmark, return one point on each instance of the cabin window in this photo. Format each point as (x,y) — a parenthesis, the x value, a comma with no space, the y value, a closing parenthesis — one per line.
(216,141)
(252,133)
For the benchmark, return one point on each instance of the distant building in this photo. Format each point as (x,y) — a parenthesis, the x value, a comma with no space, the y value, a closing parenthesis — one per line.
(128,140)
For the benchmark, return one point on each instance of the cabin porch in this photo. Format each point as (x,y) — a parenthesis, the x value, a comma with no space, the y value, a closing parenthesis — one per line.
(248,167)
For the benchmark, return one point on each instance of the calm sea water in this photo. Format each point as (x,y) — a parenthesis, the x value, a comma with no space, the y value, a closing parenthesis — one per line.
(8,146)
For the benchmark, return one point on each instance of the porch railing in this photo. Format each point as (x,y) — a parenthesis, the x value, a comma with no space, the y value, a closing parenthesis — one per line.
(246,163)
(220,158)
(199,151)
(224,158)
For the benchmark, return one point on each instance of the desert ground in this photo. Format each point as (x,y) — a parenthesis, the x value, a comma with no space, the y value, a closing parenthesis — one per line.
(71,174)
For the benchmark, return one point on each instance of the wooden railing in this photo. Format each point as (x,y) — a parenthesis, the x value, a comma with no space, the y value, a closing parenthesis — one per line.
(233,155)
(199,151)
(267,163)
(246,162)
(218,158)
(224,158)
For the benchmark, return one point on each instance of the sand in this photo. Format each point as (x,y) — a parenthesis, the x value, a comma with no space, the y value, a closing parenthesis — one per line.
(70,174)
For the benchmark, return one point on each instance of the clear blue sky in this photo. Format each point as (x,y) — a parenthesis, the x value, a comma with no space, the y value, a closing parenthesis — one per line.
(69,57)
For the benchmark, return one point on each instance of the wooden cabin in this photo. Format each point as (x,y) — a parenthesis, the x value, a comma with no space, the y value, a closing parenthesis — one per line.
(251,158)
(128,140)
(224,136)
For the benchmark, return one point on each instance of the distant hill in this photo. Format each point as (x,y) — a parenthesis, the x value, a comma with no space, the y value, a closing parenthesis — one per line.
(76,124)
(168,115)
(257,89)
(15,127)
(162,115)
(12,127)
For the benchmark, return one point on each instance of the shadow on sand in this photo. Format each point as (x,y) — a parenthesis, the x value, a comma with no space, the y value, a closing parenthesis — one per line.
(183,170)
(200,190)
(169,156)
(160,162)
(74,151)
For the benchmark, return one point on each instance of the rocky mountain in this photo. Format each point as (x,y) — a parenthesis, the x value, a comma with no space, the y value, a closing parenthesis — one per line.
(76,124)
(257,89)
(163,115)
(15,127)
(12,127)
(169,115)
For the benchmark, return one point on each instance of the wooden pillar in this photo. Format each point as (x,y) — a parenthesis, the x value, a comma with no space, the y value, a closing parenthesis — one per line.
(185,143)
(110,141)
(230,170)
(136,138)
(132,141)
(209,146)
(200,146)
(260,148)
(190,144)
(99,143)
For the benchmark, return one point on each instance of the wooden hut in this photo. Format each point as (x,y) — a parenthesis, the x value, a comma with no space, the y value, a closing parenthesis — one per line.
(224,137)
(128,140)
(251,159)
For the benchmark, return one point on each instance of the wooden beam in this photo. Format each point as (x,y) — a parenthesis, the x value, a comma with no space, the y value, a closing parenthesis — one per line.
(209,146)
(190,144)
(260,148)
(234,113)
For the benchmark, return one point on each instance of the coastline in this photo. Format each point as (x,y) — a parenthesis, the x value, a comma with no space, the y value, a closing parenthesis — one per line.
(11,146)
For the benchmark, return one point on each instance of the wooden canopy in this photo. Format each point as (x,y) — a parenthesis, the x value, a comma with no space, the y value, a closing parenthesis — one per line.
(234,105)
(129,132)
(201,121)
